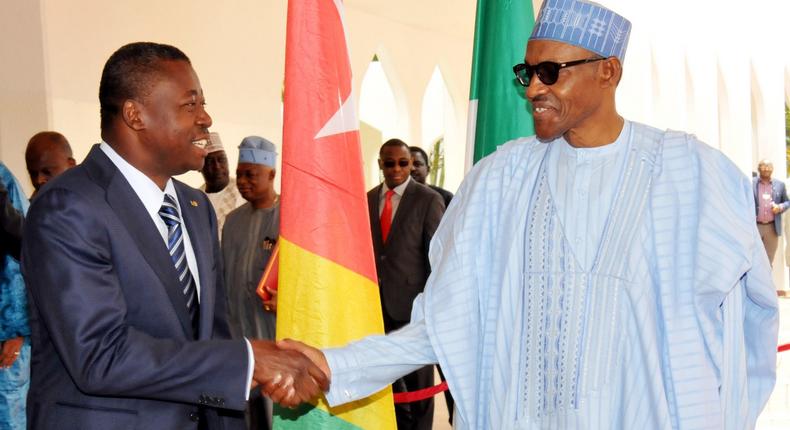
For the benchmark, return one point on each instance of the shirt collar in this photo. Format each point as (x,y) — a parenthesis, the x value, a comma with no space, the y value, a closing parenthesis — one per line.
(148,192)
(399,190)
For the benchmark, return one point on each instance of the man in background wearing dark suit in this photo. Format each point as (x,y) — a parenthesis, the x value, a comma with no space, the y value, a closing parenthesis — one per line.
(421,167)
(770,201)
(403,217)
(128,313)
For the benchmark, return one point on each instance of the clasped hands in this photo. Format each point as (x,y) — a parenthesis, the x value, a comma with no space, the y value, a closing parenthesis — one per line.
(289,372)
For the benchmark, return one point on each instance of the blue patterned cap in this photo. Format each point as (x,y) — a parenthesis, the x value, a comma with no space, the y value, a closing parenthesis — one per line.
(584,24)
(257,150)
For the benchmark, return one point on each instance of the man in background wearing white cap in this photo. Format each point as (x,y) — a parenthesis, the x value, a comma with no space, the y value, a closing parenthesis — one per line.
(601,275)
(219,186)
(248,238)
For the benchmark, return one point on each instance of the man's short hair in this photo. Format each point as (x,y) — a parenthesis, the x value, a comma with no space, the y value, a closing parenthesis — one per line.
(52,137)
(394,142)
(128,75)
(424,155)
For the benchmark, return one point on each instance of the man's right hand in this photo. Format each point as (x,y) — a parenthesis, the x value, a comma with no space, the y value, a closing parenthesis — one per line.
(287,376)
(314,354)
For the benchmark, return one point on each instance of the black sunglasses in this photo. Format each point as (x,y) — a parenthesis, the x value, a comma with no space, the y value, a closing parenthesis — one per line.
(548,71)
(391,163)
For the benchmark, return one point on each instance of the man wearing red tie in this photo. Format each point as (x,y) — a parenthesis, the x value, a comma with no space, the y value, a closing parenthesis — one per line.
(403,217)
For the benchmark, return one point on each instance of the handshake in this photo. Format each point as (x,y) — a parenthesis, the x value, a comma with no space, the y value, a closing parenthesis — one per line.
(289,372)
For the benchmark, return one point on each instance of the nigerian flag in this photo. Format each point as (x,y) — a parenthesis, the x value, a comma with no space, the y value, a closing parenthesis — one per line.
(497,105)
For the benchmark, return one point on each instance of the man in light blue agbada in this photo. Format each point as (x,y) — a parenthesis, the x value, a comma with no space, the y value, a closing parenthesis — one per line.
(603,274)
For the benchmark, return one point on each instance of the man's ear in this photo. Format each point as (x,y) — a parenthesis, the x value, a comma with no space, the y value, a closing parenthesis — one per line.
(71,162)
(272,174)
(381,164)
(133,115)
(611,72)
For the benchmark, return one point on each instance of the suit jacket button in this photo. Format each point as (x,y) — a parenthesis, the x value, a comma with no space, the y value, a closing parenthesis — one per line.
(194,417)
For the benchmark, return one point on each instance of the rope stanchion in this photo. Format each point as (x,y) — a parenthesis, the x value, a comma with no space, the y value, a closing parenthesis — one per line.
(416,396)
(785,347)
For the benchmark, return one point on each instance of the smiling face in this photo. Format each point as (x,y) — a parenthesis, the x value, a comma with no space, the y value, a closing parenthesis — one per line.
(255,182)
(173,121)
(574,100)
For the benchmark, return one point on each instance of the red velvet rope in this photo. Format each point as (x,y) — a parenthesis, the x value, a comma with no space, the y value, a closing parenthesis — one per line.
(415,396)
(426,393)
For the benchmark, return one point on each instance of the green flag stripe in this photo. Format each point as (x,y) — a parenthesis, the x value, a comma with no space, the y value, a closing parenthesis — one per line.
(502,28)
(307,416)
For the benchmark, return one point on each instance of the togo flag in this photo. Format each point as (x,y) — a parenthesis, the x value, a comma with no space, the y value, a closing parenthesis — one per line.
(328,291)
(497,105)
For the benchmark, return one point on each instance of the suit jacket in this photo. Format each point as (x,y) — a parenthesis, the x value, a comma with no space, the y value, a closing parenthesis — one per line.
(778,195)
(402,262)
(112,341)
(446,195)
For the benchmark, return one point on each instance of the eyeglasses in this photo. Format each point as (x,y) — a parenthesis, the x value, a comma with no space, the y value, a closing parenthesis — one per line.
(548,71)
(389,164)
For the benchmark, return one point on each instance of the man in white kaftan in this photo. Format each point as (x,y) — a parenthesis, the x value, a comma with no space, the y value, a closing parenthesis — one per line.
(602,275)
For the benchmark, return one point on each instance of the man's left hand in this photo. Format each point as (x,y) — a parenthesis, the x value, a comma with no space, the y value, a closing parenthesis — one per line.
(271,304)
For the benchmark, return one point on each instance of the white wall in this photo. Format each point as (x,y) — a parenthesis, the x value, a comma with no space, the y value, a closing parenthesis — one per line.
(717,68)
(57,49)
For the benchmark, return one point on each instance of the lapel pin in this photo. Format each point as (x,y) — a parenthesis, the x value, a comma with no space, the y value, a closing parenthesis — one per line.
(193,203)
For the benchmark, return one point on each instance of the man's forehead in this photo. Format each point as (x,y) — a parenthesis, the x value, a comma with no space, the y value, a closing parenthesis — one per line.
(395,152)
(47,148)
(550,50)
(180,75)
(252,167)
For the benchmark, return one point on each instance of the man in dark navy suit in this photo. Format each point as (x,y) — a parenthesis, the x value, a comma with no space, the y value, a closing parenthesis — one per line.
(128,312)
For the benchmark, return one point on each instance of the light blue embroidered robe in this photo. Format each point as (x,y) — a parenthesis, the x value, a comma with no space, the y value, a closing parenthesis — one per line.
(675,325)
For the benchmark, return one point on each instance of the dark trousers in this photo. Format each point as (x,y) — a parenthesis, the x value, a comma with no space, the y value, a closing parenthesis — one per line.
(414,415)
(448,398)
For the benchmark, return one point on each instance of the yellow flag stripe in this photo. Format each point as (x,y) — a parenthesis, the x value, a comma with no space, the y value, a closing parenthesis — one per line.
(325,304)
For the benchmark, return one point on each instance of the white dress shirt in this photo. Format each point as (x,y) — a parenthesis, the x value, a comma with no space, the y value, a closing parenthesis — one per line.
(152,198)
(399,190)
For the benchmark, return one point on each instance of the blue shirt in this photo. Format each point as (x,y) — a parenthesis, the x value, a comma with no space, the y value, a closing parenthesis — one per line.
(673,323)
(13,301)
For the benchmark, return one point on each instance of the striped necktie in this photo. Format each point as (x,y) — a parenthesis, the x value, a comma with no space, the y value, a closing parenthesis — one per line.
(175,244)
